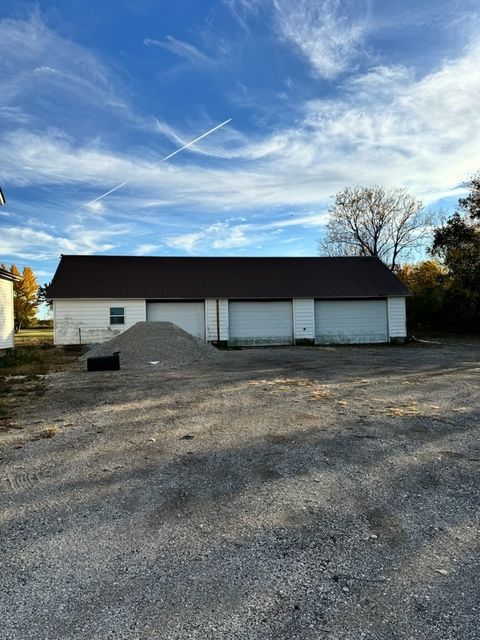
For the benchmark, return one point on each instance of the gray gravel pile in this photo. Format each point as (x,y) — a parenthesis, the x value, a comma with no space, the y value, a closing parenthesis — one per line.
(160,342)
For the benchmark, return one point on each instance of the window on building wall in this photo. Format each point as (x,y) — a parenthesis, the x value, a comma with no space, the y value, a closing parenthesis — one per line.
(117,315)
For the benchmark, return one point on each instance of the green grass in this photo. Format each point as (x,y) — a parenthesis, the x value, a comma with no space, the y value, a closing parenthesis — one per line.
(34,336)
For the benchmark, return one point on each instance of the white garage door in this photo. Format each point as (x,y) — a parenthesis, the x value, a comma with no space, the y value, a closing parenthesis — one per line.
(189,316)
(261,323)
(351,321)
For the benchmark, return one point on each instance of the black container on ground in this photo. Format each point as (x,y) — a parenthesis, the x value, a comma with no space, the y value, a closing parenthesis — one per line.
(104,363)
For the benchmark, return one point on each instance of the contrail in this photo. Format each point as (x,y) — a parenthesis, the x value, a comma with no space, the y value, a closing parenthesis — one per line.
(189,144)
(104,195)
(170,155)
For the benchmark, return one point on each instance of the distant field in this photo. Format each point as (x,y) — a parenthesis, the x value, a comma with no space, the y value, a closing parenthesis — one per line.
(34,336)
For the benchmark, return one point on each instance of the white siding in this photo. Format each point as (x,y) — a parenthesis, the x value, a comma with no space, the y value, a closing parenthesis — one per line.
(92,317)
(261,323)
(304,318)
(397,320)
(6,314)
(351,321)
(211,316)
(189,316)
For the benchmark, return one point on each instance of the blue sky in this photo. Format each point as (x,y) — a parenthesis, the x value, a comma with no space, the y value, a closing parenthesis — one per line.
(322,94)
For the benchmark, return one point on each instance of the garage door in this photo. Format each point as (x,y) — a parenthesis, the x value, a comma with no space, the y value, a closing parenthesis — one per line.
(189,316)
(261,323)
(351,321)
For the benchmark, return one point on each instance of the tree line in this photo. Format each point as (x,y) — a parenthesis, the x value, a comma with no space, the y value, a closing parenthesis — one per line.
(394,226)
(447,288)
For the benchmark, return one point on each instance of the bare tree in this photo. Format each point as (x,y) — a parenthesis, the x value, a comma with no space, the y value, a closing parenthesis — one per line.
(373,221)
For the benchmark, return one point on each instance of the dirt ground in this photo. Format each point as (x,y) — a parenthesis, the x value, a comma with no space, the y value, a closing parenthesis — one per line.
(275,494)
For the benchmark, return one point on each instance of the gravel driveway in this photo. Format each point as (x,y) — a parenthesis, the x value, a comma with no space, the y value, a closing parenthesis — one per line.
(272,494)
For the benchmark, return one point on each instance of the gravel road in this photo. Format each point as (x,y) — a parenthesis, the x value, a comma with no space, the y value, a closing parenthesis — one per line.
(270,494)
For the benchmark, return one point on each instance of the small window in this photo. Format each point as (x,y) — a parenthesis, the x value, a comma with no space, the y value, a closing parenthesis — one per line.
(117,315)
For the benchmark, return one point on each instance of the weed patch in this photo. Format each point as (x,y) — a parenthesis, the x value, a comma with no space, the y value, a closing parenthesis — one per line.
(21,376)
(35,360)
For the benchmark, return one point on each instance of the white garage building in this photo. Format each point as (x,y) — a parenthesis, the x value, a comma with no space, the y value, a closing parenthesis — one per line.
(234,301)
(6,310)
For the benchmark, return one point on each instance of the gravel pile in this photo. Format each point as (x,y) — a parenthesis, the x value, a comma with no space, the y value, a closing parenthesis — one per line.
(162,343)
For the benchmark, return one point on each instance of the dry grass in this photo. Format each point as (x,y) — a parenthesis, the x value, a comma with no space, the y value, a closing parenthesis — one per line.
(316,390)
(406,409)
(34,337)
(35,360)
(48,432)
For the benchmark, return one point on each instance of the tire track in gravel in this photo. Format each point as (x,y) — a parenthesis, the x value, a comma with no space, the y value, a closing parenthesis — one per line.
(18,480)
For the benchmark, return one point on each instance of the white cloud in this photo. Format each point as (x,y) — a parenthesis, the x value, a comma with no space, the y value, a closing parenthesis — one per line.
(235,233)
(388,127)
(220,235)
(182,49)
(37,63)
(32,244)
(95,206)
(420,134)
(314,220)
(185,241)
(229,143)
(146,249)
(12,114)
(328,34)
(324,31)
(241,9)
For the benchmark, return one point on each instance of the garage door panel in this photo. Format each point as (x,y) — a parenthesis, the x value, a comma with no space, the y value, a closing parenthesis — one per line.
(351,321)
(261,323)
(189,316)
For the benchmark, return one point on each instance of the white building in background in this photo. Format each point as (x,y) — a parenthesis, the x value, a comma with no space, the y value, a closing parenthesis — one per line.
(231,301)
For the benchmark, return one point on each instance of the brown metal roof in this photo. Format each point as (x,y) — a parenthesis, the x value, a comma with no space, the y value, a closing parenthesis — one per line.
(234,278)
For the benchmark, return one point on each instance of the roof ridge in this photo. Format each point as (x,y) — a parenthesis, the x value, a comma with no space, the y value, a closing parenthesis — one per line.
(95,255)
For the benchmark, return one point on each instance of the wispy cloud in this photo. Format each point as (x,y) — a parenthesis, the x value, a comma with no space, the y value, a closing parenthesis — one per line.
(232,144)
(242,9)
(220,235)
(235,233)
(12,114)
(38,67)
(328,33)
(182,49)
(389,128)
(33,244)
(146,249)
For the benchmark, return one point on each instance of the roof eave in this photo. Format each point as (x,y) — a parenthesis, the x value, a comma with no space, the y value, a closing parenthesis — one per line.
(8,275)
